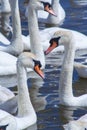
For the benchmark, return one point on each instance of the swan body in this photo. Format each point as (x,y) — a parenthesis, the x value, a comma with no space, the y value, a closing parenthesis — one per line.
(48,18)
(66,96)
(46,34)
(10,105)
(80,124)
(26,114)
(81,69)
(5,94)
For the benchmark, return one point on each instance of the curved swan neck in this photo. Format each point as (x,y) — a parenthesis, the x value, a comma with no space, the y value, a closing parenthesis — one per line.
(65,85)
(24,104)
(35,41)
(53,19)
(15,18)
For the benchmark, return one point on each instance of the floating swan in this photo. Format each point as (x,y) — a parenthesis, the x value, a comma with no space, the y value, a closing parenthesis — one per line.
(5,94)
(66,96)
(26,114)
(80,124)
(81,69)
(17,45)
(47,18)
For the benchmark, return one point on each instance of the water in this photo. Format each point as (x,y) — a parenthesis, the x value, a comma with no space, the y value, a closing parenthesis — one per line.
(44,94)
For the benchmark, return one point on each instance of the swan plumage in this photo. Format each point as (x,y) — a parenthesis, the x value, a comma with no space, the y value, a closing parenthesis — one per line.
(47,18)
(17,46)
(26,113)
(5,94)
(81,69)
(66,96)
(80,124)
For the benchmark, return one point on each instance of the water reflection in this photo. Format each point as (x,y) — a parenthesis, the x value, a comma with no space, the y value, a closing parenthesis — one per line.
(38,100)
(33,127)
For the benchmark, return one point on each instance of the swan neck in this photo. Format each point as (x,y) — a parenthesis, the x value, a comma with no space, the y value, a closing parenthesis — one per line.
(24,104)
(65,84)
(16,24)
(35,40)
(5,6)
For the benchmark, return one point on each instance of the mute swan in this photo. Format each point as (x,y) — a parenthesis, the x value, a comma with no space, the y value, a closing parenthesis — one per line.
(26,114)
(47,18)
(17,45)
(81,69)
(66,96)
(5,94)
(80,124)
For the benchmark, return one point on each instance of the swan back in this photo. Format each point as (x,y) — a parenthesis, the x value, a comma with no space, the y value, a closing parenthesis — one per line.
(8,121)
(76,125)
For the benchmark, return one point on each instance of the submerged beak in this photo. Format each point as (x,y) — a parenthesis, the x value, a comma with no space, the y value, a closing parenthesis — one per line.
(39,71)
(50,48)
(50,10)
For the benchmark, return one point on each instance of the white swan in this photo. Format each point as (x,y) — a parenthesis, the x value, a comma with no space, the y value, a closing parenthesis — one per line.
(26,114)
(66,96)
(47,18)
(80,124)
(17,45)
(5,94)
(81,69)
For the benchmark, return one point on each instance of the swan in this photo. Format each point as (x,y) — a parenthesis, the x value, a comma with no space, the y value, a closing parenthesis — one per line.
(80,124)
(35,41)
(47,18)
(5,94)
(66,96)
(26,113)
(81,69)
(17,45)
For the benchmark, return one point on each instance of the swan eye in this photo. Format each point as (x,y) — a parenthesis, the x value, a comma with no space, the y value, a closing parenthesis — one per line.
(37,62)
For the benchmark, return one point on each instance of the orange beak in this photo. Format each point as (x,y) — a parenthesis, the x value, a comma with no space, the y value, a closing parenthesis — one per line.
(50,48)
(50,10)
(39,71)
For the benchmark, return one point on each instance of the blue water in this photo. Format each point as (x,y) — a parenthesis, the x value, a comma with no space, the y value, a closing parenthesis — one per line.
(50,114)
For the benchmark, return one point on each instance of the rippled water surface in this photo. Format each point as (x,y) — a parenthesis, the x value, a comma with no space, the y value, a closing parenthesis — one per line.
(44,94)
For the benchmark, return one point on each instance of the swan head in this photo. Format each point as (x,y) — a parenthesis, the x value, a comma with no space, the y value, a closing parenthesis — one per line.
(59,38)
(29,60)
(75,125)
(40,5)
